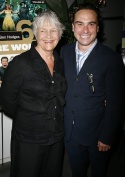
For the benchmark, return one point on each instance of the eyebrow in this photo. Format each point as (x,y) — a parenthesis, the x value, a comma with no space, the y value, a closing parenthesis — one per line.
(88,22)
(47,28)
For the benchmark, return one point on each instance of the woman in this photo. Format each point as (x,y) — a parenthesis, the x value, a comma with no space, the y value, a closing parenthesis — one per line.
(8,23)
(33,94)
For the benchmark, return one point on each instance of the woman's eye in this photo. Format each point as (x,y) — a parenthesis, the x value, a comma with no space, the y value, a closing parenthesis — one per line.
(54,30)
(42,31)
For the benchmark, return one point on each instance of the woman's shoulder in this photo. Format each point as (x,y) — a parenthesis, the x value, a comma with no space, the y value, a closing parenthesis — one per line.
(7,11)
(21,58)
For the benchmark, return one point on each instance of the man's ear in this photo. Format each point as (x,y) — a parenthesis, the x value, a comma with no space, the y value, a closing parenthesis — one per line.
(72,27)
(97,29)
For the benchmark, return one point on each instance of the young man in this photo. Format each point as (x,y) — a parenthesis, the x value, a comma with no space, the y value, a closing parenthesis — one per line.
(4,62)
(94,96)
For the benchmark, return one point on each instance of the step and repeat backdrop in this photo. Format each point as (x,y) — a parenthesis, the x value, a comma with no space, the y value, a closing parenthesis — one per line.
(15,37)
(16,25)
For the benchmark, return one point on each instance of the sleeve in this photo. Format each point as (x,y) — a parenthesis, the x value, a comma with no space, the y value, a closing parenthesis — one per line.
(114,101)
(10,88)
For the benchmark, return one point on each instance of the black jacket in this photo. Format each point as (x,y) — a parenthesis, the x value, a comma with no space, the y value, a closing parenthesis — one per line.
(34,99)
(2,70)
(87,115)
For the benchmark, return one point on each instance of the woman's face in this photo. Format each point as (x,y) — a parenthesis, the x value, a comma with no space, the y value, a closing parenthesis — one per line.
(7,7)
(47,36)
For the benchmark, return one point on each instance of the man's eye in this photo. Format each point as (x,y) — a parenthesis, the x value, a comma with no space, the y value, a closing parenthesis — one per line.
(79,24)
(92,24)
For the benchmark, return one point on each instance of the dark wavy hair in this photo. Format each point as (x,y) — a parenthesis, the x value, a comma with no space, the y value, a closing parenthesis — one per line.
(96,9)
(87,6)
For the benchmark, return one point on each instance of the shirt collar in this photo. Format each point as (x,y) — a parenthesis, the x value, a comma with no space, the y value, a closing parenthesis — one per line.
(87,51)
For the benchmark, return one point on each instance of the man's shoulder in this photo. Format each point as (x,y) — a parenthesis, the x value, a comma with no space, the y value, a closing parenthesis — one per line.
(1,69)
(69,46)
(108,56)
(106,48)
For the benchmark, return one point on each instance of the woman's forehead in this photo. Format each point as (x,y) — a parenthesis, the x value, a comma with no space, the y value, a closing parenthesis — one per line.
(46,23)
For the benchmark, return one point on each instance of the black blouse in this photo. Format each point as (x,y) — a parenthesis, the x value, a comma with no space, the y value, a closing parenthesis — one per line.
(34,98)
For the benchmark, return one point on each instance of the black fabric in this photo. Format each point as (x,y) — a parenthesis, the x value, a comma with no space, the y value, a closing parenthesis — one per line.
(2,70)
(34,98)
(80,156)
(33,160)
(93,118)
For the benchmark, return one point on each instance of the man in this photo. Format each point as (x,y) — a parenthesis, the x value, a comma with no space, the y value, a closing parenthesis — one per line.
(94,95)
(4,62)
(23,11)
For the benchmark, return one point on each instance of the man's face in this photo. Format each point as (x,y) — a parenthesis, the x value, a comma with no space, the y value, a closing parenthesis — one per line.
(85,28)
(4,63)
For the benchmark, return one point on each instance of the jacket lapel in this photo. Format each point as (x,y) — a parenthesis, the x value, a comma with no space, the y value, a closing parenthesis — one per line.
(72,60)
(91,60)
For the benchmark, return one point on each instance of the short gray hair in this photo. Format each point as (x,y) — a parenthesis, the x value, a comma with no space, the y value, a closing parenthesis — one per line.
(52,18)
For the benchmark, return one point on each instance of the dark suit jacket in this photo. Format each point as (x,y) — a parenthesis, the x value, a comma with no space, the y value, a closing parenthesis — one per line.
(93,120)
(2,70)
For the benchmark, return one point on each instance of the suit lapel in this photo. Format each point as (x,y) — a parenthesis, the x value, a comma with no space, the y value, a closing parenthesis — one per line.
(72,60)
(90,61)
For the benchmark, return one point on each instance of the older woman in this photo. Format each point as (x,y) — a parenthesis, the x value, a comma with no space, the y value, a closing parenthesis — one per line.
(33,94)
